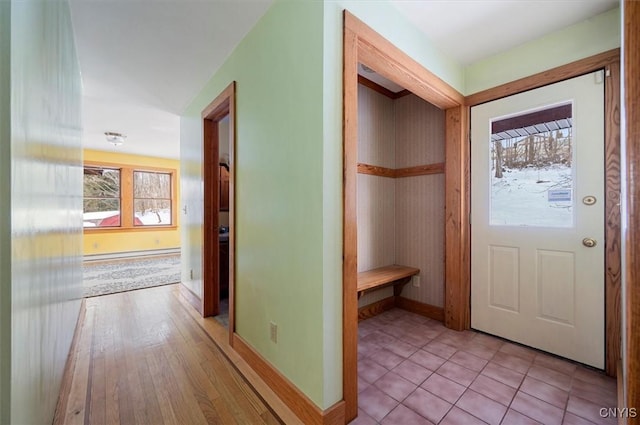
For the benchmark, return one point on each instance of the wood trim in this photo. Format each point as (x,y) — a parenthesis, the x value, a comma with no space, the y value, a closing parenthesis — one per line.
(69,368)
(378,53)
(378,307)
(426,310)
(350,228)
(381,89)
(374,170)
(210,249)
(457,306)
(632,232)
(402,93)
(420,170)
(613,244)
(544,78)
(362,44)
(218,334)
(610,61)
(191,298)
(127,197)
(298,402)
(92,230)
(211,115)
(232,210)
(376,87)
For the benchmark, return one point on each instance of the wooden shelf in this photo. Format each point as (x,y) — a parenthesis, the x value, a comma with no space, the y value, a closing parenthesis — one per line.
(381,277)
(419,170)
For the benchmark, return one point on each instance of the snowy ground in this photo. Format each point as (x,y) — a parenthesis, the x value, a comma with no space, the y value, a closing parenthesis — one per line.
(522,197)
(92,219)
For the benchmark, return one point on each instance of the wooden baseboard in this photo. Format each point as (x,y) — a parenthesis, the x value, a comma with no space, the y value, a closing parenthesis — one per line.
(299,403)
(427,310)
(376,308)
(191,298)
(69,368)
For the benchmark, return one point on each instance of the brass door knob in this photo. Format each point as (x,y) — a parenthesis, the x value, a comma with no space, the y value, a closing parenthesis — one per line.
(589,243)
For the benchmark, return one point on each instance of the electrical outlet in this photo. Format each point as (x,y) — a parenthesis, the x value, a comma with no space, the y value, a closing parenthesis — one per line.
(191,274)
(415,281)
(273,332)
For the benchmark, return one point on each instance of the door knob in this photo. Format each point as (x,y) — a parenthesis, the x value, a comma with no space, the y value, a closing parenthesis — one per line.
(589,243)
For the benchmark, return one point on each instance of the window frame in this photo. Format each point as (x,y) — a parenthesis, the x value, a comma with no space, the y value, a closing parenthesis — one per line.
(127,198)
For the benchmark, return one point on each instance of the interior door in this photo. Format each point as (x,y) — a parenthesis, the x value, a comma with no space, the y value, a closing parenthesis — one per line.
(537,202)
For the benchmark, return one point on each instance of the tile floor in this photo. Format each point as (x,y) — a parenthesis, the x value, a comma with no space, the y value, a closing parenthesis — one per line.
(414,371)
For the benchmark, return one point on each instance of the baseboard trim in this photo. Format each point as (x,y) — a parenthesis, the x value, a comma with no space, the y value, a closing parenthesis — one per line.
(427,310)
(69,368)
(376,308)
(299,403)
(191,298)
(131,254)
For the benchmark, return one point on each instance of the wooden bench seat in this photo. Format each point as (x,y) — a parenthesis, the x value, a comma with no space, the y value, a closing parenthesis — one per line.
(381,277)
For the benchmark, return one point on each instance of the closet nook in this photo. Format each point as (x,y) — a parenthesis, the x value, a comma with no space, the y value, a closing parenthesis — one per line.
(400,201)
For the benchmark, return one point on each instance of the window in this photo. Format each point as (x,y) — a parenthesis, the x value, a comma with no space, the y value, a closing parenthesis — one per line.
(101,197)
(532,176)
(152,198)
(128,198)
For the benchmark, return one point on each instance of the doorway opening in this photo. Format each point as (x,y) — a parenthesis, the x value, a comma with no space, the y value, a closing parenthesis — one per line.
(219,126)
(364,47)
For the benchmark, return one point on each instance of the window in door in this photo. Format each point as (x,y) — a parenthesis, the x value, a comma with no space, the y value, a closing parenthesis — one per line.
(531,170)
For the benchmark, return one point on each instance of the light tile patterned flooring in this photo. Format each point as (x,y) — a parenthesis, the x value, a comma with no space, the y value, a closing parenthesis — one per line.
(414,371)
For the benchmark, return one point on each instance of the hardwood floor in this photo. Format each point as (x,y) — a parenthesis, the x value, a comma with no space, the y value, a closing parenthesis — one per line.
(141,358)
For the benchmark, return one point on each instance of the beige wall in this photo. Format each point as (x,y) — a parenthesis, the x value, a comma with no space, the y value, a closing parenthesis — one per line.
(401,221)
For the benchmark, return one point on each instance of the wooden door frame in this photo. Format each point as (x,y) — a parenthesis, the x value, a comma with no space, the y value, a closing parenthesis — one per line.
(222,106)
(609,62)
(363,45)
(631,43)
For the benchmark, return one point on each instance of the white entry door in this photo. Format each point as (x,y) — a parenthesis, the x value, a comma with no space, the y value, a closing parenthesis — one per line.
(537,202)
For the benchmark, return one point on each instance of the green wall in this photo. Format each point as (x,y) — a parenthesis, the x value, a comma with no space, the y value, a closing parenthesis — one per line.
(5,211)
(584,39)
(279,228)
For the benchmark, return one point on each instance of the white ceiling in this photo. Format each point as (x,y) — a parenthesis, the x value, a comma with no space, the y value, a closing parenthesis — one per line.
(471,30)
(143,61)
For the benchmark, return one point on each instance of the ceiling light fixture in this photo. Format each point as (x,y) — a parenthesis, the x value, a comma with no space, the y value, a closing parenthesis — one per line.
(115,138)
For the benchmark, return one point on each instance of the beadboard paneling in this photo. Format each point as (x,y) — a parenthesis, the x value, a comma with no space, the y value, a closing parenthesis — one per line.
(376,128)
(420,234)
(376,221)
(401,221)
(420,200)
(376,195)
(419,132)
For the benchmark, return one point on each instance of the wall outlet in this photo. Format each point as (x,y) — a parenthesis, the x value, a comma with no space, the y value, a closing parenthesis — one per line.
(191,274)
(415,281)
(273,332)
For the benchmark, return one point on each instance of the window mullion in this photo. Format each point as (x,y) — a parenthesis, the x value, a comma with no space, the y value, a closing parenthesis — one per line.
(126,197)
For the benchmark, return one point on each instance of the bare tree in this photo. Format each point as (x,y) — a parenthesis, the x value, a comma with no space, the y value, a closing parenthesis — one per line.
(498,158)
